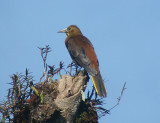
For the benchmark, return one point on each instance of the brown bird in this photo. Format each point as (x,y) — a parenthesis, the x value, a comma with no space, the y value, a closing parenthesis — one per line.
(82,52)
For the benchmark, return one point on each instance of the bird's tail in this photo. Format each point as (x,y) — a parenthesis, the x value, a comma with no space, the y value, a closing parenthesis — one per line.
(99,85)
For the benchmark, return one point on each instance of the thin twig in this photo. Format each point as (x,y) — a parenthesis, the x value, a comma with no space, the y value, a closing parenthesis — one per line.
(119,99)
(44,53)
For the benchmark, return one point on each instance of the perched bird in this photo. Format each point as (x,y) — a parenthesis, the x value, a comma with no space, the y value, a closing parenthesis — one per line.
(82,52)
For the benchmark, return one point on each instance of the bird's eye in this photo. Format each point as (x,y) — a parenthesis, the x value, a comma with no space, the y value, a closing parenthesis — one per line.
(69,29)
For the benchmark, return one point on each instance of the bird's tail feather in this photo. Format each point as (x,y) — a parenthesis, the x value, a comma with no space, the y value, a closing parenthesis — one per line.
(99,85)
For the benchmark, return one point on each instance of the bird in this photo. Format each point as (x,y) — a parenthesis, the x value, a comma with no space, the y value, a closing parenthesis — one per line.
(83,54)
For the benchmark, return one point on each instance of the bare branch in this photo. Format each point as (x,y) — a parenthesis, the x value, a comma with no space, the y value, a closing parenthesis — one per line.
(44,53)
(119,98)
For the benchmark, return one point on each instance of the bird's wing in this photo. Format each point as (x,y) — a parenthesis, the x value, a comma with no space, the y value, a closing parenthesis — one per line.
(78,53)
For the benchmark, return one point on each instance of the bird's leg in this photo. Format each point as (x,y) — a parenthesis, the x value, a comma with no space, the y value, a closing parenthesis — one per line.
(76,69)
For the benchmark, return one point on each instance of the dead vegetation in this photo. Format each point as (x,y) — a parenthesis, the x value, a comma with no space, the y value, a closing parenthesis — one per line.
(49,100)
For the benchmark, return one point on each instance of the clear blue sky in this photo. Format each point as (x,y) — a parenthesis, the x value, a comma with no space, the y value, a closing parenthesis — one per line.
(125,34)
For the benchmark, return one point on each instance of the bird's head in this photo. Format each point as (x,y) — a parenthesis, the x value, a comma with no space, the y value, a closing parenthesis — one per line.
(71,31)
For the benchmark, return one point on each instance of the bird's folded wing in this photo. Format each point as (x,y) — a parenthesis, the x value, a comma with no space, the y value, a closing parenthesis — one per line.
(79,55)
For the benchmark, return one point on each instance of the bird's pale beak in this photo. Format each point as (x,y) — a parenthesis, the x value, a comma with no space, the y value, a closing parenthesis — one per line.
(63,31)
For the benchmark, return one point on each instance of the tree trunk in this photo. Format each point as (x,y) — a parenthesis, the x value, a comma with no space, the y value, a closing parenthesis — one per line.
(61,102)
